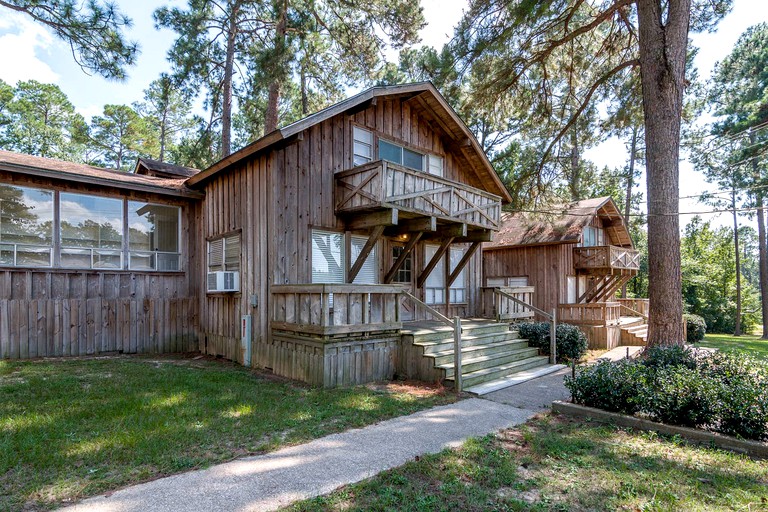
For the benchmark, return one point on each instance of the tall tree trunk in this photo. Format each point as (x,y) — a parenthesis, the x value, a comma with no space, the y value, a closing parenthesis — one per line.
(762,252)
(575,178)
(163,134)
(226,103)
(737,323)
(273,98)
(630,184)
(663,41)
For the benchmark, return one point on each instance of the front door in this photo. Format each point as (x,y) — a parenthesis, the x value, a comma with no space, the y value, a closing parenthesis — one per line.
(404,275)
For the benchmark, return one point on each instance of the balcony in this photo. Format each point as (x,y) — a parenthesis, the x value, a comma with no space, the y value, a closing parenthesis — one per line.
(382,185)
(606,260)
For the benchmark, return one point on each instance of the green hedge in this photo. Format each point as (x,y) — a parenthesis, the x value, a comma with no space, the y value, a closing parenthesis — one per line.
(696,327)
(723,392)
(571,342)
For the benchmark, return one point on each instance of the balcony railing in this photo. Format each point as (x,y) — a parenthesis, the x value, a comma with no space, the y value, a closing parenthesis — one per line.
(594,313)
(606,257)
(382,184)
(336,309)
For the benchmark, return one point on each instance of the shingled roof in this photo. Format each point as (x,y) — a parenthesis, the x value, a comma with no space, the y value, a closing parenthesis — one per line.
(81,173)
(150,167)
(559,225)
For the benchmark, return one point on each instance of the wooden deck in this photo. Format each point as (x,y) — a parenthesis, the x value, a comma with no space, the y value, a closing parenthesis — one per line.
(606,259)
(420,327)
(382,185)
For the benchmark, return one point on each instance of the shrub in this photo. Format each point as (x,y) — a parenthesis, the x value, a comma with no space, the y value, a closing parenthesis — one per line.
(696,326)
(612,386)
(680,396)
(743,400)
(668,356)
(571,342)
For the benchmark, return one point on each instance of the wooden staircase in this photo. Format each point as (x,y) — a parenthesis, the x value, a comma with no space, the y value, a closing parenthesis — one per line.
(490,352)
(634,331)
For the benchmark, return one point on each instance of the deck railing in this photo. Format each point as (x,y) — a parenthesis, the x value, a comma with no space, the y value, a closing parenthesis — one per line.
(605,257)
(382,184)
(595,313)
(499,307)
(630,307)
(336,309)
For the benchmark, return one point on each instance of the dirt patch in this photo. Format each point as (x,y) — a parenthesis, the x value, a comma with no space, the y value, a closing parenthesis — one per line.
(409,387)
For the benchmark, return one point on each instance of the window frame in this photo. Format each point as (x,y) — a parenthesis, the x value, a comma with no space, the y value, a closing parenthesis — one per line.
(225,239)
(427,157)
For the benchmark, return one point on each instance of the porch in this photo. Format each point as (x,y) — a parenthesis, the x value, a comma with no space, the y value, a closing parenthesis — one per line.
(609,324)
(345,334)
(606,260)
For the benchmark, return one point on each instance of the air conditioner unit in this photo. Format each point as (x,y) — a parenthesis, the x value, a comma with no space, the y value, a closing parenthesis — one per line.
(223,281)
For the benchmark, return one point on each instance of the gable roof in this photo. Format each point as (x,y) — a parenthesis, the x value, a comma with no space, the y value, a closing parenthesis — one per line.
(559,225)
(149,167)
(430,99)
(80,173)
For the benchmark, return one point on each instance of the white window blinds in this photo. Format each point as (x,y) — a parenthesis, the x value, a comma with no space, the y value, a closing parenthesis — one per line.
(327,257)
(224,254)
(363,146)
(458,289)
(434,288)
(369,273)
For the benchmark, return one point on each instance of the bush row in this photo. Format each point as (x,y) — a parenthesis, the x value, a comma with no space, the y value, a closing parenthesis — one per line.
(571,343)
(723,392)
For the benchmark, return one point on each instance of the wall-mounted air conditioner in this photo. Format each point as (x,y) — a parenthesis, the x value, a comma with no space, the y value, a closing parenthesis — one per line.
(224,281)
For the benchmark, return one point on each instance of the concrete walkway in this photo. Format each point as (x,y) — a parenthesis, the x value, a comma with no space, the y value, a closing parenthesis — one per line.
(270,481)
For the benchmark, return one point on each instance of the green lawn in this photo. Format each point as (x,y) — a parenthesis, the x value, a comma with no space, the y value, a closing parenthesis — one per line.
(556,463)
(747,343)
(74,428)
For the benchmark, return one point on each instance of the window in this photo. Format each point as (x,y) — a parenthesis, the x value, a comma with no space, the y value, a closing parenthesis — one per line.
(91,231)
(571,283)
(153,236)
(369,273)
(435,165)
(26,226)
(397,154)
(458,290)
(363,146)
(224,254)
(327,257)
(404,273)
(592,237)
(434,288)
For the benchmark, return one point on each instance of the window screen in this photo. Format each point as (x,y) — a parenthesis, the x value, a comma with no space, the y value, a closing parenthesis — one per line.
(91,231)
(26,226)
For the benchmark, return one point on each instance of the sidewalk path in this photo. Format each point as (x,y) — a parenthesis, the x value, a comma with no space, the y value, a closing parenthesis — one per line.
(534,395)
(270,481)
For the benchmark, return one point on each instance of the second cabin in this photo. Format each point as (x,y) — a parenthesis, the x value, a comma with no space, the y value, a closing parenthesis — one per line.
(573,260)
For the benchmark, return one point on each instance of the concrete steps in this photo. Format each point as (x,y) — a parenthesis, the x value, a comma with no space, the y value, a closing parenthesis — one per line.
(491,352)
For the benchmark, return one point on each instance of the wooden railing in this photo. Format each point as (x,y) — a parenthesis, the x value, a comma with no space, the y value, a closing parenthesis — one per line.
(634,307)
(336,309)
(605,257)
(499,307)
(595,313)
(382,184)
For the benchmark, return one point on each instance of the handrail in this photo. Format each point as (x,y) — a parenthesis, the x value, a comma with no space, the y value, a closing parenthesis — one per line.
(429,308)
(635,312)
(456,325)
(551,317)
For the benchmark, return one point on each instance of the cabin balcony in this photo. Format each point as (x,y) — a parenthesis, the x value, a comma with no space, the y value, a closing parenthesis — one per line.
(387,187)
(606,260)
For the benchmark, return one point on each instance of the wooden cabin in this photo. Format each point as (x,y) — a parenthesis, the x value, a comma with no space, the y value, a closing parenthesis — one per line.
(315,251)
(573,259)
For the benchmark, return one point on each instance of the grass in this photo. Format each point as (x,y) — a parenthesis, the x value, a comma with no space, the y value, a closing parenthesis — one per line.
(556,463)
(74,428)
(747,343)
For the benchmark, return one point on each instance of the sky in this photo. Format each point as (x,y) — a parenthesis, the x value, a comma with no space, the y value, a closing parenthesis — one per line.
(30,51)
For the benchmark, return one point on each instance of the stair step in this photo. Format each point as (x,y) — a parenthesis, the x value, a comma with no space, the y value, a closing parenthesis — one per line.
(442,332)
(487,374)
(445,344)
(446,356)
(514,379)
(472,364)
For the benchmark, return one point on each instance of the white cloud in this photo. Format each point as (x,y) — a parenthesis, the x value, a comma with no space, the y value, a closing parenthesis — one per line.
(20,40)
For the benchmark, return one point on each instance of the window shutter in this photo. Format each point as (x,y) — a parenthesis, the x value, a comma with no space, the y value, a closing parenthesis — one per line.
(369,273)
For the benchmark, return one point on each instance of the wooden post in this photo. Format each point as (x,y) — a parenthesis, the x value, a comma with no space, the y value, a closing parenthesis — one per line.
(457,354)
(553,338)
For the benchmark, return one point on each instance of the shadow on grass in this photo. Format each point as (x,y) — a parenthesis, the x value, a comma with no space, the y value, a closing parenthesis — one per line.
(74,428)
